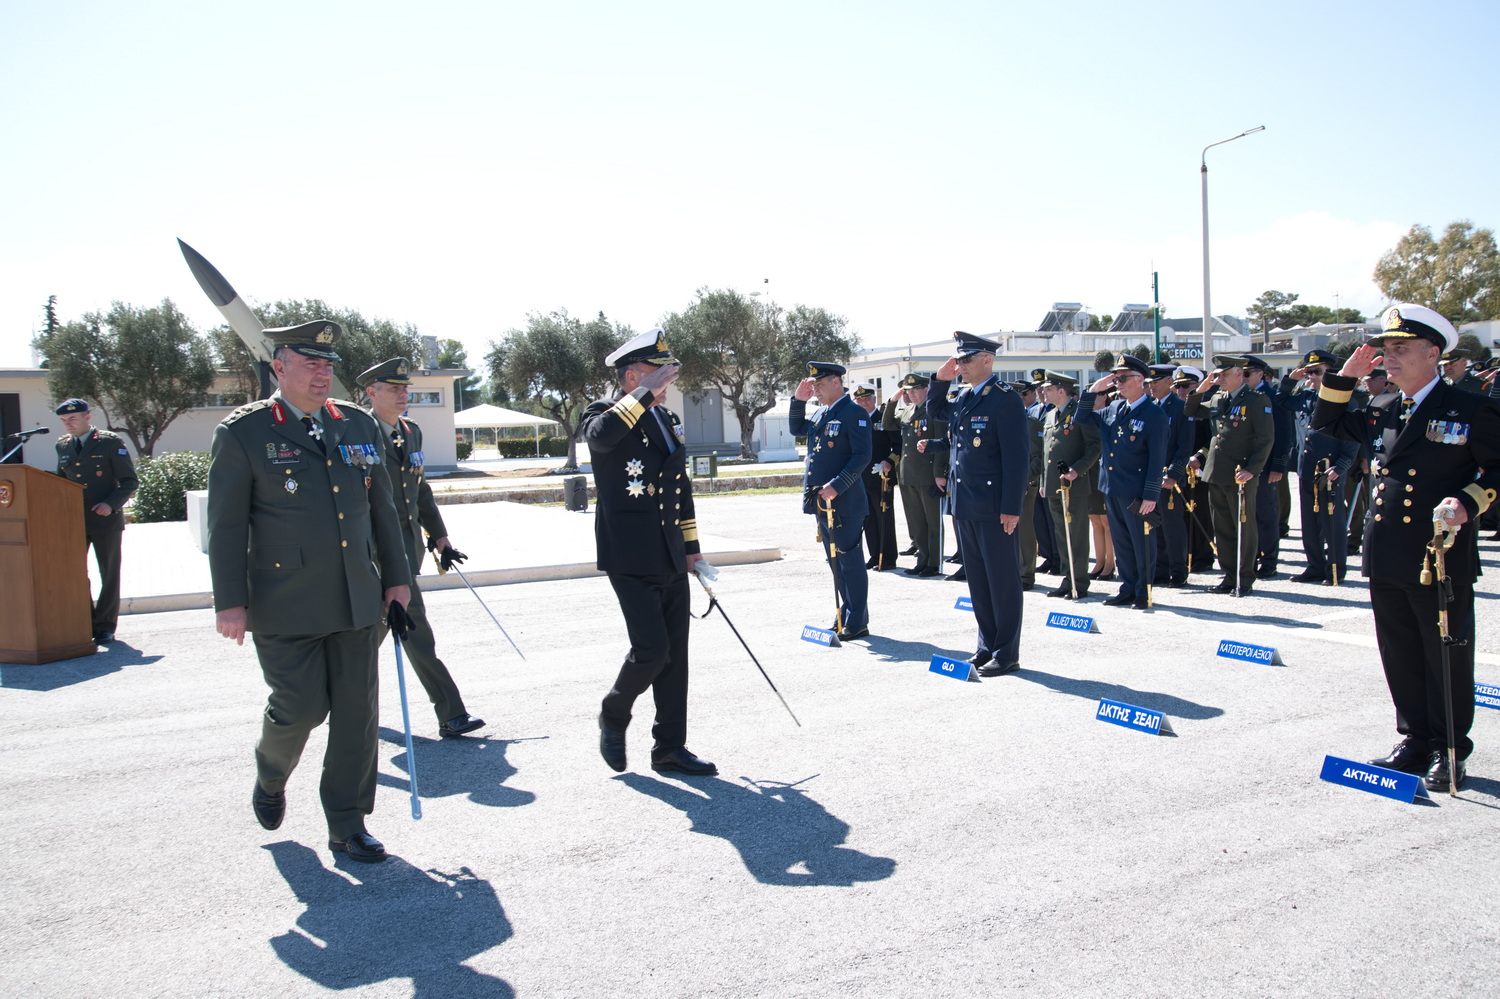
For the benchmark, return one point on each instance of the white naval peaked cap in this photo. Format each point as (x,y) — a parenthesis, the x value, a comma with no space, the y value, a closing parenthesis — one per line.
(1409,321)
(650,347)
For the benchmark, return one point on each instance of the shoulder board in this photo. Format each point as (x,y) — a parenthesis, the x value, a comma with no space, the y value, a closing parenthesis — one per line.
(333,410)
(407,426)
(247,409)
(64,439)
(109,434)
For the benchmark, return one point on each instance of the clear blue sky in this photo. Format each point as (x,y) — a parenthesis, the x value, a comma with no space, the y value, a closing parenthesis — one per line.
(916,168)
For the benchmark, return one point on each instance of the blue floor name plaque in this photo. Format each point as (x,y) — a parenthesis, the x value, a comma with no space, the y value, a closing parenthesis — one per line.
(958,669)
(820,636)
(1376,780)
(1247,653)
(965,604)
(1132,716)
(1487,696)
(1072,622)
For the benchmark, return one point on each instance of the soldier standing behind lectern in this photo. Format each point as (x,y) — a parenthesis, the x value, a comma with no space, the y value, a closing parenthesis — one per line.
(880,485)
(100,462)
(923,472)
(838,450)
(647,534)
(1069,450)
(306,553)
(386,385)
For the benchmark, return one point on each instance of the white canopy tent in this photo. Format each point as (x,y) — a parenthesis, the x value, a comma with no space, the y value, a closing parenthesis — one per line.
(495,417)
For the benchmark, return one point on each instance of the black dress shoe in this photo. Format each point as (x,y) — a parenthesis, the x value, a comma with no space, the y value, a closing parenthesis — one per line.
(978,659)
(910,551)
(270,808)
(915,570)
(1309,576)
(1050,568)
(852,633)
(1410,756)
(954,559)
(873,562)
(1065,591)
(1436,777)
(1026,585)
(455,727)
(683,762)
(612,746)
(998,669)
(930,571)
(1266,572)
(1177,582)
(361,847)
(1141,605)
(104,638)
(1119,600)
(959,575)
(1227,586)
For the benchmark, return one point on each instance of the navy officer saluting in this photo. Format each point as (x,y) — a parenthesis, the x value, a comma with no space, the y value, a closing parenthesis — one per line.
(838,451)
(647,536)
(990,466)
(1440,460)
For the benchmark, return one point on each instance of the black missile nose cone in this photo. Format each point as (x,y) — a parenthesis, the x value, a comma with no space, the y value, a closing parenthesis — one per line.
(219,291)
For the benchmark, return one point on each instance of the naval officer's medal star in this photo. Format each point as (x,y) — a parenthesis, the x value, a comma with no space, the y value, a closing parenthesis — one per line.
(634,467)
(635,488)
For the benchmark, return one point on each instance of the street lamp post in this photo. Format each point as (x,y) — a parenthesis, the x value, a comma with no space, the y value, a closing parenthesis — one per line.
(1208,347)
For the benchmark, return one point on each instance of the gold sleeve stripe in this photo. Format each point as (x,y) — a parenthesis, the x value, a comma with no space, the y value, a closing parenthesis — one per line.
(1482,497)
(1335,395)
(628,410)
(689,530)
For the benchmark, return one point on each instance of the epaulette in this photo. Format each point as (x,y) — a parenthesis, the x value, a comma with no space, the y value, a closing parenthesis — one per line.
(247,409)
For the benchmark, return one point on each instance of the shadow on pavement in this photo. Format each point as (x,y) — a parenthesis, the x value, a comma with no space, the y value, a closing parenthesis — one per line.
(892,650)
(476,767)
(1092,690)
(1278,621)
(66,672)
(393,921)
(774,826)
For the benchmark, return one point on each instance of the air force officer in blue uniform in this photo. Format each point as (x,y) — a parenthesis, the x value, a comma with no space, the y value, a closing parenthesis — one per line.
(1134,432)
(838,450)
(990,466)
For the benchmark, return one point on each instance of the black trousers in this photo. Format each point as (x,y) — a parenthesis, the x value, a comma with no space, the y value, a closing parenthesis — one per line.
(421,655)
(1325,537)
(656,618)
(880,525)
(106,610)
(1268,520)
(1172,538)
(992,564)
(1406,629)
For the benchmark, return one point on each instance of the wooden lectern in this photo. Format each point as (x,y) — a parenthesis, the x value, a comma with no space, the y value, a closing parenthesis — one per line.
(43,573)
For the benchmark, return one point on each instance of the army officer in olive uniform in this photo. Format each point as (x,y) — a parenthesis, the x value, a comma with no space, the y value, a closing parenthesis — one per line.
(100,462)
(838,450)
(1069,450)
(923,473)
(647,535)
(1243,433)
(386,385)
(306,552)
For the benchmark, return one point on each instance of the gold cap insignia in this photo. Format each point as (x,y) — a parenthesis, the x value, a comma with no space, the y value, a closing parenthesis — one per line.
(1392,319)
(812,371)
(325,335)
(401,367)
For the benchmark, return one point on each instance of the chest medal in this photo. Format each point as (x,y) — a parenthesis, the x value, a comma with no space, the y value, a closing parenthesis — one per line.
(291,485)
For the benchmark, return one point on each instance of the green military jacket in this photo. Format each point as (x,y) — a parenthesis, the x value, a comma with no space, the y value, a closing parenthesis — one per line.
(104,470)
(303,535)
(916,468)
(1243,432)
(415,508)
(1067,442)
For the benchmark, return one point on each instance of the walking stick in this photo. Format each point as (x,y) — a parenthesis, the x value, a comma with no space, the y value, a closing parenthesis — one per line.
(400,623)
(1065,487)
(1443,536)
(705,572)
(826,531)
(1239,537)
(449,558)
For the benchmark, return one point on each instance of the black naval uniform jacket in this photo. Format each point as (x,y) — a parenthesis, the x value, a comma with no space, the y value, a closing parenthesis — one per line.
(645,524)
(1449,447)
(415,508)
(106,474)
(306,542)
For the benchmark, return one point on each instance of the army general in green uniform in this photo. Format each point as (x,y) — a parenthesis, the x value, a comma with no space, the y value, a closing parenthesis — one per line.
(99,461)
(305,552)
(386,385)
(1070,450)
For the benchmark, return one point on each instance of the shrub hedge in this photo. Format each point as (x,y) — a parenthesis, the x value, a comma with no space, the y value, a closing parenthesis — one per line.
(165,482)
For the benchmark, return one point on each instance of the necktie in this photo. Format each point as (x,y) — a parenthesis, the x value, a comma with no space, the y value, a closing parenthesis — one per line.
(666,431)
(399,444)
(1407,405)
(78,445)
